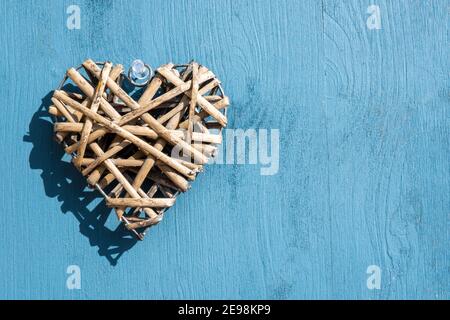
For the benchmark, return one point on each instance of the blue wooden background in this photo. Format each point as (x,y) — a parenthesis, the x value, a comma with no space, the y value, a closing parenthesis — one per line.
(364,153)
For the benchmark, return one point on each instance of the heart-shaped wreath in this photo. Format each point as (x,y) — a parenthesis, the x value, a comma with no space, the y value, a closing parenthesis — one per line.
(142,147)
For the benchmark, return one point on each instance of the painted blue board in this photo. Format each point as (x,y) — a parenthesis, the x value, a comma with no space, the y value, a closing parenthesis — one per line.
(363,179)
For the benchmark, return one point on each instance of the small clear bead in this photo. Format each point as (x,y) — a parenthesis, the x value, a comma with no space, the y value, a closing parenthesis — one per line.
(139,70)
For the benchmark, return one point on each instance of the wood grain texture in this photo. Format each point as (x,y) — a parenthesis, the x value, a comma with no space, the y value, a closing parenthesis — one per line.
(364,168)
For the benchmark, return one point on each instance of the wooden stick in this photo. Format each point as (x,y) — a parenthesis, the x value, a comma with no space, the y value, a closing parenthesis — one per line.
(129,162)
(195,167)
(213,98)
(61,108)
(54,111)
(76,96)
(115,74)
(86,87)
(209,86)
(198,136)
(141,203)
(101,131)
(225,102)
(140,224)
(78,127)
(94,107)
(106,180)
(117,162)
(108,154)
(177,180)
(193,103)
(134,219)
(95,176)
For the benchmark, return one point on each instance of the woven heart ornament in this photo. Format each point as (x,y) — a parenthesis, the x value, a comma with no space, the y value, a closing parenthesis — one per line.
(139,147)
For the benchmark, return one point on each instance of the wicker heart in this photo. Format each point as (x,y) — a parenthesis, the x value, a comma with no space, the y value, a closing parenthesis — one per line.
(139,153)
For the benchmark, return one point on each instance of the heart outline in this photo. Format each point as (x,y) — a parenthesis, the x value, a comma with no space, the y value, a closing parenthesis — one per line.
(173,77)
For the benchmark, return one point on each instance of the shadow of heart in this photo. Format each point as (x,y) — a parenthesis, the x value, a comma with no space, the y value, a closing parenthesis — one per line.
(63,181)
